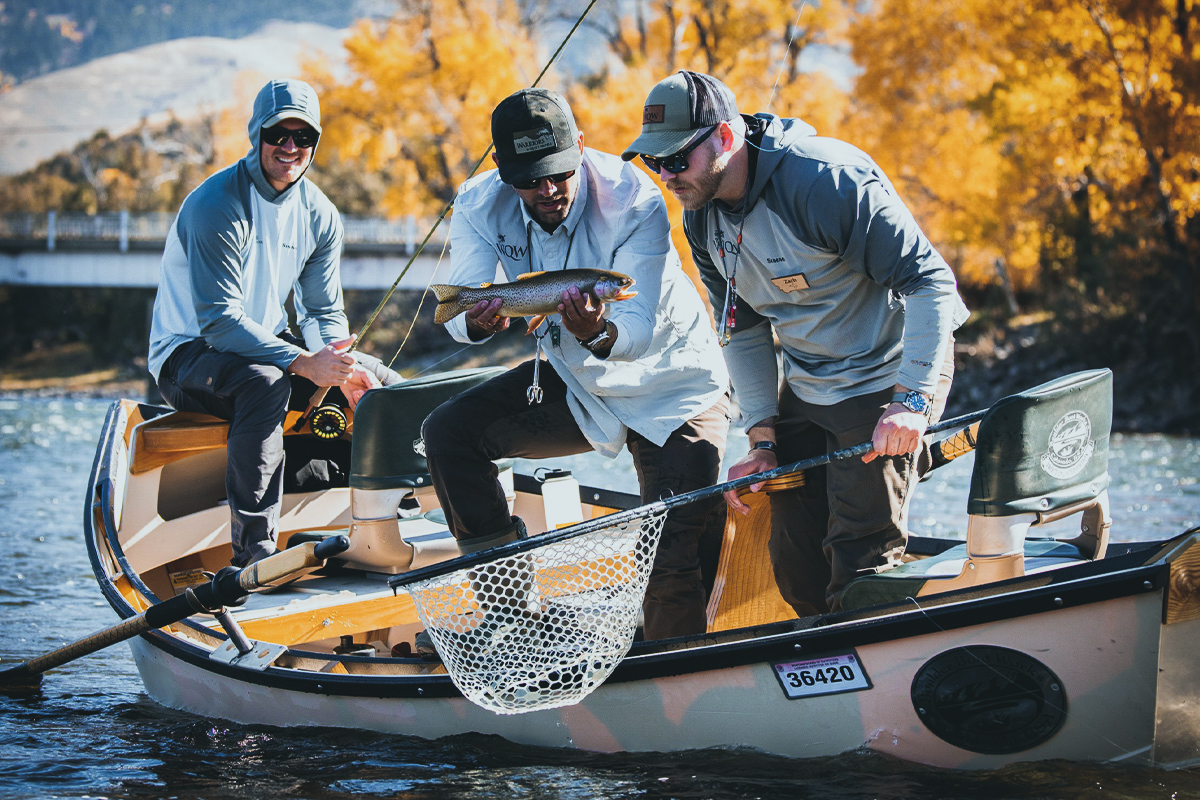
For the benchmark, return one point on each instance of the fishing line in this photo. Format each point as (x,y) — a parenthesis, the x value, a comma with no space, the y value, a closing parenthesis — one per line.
(445,211)
(420,304)
(319,395)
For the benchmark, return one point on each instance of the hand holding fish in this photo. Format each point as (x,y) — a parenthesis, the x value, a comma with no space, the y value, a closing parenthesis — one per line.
(484,319)
(534,295)
(581,317)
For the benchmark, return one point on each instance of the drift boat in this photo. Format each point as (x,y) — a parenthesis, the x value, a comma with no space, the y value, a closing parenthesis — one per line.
(1006,647)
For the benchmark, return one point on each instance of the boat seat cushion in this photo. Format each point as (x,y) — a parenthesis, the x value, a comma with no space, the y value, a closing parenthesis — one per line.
(908,579)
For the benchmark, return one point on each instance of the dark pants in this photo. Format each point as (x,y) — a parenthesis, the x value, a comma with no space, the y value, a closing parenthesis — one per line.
(848,518)
(464,436)
(255,399)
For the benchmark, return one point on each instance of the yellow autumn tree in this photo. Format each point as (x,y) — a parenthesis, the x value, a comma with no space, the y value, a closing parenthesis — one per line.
(755,46)
(1061,137)
(423,84)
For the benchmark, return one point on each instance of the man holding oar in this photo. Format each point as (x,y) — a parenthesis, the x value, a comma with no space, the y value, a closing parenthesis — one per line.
(219,341)
(643,373)
(804,238)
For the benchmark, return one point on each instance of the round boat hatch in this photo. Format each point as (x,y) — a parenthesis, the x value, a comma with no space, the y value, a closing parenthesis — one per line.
(989,699)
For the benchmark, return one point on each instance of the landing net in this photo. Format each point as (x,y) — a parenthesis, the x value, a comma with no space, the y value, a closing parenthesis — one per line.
(542,629)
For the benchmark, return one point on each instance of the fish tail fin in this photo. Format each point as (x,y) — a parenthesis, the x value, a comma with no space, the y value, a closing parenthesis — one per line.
(449,306)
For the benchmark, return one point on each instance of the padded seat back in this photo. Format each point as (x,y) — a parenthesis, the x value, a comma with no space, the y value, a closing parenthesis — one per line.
(388,450)
(1040,456)
(1045,448)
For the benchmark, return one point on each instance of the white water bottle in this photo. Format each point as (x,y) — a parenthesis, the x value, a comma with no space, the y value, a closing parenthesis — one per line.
(560,499)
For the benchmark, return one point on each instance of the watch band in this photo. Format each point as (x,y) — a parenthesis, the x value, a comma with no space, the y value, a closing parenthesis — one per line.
(764,444)
(914,401)
(597,340)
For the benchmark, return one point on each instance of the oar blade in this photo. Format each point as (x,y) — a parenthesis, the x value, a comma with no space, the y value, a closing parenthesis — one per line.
(20,680)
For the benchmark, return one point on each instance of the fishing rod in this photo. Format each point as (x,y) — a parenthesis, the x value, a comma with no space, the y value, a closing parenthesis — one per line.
(333,421)
(661,506)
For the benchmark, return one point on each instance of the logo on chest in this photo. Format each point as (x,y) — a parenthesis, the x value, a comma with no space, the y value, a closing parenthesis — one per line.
(725,246)
(511,251)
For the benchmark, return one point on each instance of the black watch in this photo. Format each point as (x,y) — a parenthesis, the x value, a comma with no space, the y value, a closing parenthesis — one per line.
(914,401)
(596,341)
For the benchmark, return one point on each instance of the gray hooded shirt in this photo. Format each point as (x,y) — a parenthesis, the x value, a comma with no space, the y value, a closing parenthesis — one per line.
(238,247)
(830,260)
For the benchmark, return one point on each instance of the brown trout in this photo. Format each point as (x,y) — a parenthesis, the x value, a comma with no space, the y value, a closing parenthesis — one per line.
(534,294)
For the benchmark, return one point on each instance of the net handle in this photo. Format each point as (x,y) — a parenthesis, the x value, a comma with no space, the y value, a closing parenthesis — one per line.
(660,506)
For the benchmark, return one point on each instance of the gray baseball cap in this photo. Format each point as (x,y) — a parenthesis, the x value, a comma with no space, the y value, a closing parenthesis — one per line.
(676,108)
(535,135)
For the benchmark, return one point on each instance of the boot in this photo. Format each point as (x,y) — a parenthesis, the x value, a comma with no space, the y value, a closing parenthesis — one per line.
(511,584)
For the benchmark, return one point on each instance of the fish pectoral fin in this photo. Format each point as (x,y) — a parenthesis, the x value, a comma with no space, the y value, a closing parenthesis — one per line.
(533,323)
(527,275)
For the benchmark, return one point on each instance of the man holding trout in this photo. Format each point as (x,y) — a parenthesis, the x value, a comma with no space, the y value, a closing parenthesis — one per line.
(645,373)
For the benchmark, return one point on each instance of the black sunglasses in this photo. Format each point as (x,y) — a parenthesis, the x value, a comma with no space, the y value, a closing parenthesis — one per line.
(276,135)
(536,182)
(676,162)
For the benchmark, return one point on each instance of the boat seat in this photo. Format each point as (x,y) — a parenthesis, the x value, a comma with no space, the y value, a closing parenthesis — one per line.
(1040,456)
(387,466)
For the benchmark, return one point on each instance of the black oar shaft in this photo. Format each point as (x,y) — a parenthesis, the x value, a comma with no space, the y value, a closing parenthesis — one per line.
(227,587)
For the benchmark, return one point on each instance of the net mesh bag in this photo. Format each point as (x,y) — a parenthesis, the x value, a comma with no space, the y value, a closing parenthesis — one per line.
(543,628)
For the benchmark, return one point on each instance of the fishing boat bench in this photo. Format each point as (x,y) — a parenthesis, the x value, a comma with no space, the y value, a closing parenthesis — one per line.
(1040,456)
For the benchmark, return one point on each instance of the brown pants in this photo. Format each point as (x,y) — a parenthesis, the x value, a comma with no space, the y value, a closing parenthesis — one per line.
(495,421)
(848,518)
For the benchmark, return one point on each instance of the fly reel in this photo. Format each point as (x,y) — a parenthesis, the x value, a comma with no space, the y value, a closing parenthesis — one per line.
(328,422)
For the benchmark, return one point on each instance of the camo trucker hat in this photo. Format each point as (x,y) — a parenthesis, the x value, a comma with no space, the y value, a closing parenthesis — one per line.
(535,135)
(676,108)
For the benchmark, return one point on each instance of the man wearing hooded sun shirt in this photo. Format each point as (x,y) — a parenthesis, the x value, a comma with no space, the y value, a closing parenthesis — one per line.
(804,238)
(219,341)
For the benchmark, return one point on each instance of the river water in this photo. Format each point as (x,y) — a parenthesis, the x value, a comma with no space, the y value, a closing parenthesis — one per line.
(93,733)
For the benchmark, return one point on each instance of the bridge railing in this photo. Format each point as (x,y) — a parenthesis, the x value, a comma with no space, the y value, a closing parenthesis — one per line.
(124,230)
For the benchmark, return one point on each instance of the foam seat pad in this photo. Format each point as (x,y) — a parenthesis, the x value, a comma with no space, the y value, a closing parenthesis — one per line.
(909,578)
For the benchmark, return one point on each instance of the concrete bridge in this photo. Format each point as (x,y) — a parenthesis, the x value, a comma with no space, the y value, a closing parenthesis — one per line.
(124,249)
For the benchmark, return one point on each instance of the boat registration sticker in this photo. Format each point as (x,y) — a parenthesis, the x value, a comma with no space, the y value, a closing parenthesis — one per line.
(818,676)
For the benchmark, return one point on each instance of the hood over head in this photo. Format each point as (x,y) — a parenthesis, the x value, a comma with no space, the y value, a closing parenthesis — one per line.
(778,135)
(276,101)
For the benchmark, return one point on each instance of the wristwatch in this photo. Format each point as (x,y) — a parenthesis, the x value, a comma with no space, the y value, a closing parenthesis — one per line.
(914,401)
(596,341)
(764,444)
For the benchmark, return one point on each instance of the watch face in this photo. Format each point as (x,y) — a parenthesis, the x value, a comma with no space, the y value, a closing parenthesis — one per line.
(916,402)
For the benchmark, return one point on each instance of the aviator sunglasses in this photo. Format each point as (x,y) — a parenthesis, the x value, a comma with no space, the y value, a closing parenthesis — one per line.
(533,184)
(276,135)
(676,162)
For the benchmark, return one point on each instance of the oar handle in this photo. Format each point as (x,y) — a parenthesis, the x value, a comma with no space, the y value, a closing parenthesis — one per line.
(228,587)
(589,526)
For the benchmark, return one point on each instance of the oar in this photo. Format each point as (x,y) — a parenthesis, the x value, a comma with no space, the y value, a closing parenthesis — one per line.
(620,517)
(229,587)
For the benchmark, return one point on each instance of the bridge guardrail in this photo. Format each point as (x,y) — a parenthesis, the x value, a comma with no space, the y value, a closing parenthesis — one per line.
(144,230)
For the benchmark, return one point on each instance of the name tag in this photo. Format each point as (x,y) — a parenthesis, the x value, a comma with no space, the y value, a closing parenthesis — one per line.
(791,283)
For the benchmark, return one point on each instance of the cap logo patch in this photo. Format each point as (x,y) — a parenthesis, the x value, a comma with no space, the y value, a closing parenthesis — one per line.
(530,141)
(653,115)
